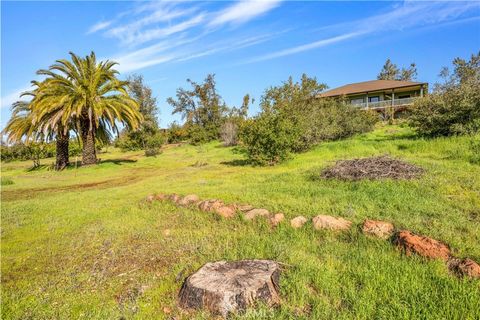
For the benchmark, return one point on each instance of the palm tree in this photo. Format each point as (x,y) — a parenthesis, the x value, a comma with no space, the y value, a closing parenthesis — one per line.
(47,126)
(21,125)
(87,95)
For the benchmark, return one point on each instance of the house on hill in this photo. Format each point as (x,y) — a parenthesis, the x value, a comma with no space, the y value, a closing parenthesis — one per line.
(379,94)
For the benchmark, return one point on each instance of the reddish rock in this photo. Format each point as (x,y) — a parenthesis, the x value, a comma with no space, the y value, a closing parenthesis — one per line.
(331,223)
(464,267)
(276,219)
(161,196)
(423,246)
(298,222)
(210,205)
(150,198)
(244,207)
(174,197)
(380,229)
(203,205)
(188,200)
(252,214)
(226,211)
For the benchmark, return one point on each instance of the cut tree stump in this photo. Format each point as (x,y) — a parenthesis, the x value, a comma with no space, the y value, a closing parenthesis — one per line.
(229,287)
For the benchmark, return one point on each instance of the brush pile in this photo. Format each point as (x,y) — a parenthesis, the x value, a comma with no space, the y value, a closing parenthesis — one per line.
(383,167)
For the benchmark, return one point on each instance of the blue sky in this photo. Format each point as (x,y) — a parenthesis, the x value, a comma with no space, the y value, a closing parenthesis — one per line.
(249,45)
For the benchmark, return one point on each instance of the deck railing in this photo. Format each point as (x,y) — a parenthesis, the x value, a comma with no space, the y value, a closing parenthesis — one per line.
(385,103)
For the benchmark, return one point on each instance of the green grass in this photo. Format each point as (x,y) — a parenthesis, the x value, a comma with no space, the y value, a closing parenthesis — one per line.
(82,244)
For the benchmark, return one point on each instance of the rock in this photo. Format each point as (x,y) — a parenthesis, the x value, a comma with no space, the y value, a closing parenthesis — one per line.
(203,205)
(276,219)
(188,200)
(161,196)
(331,223)
(244,207)
(298,222)
(225,288)
(252,214)
(174,197)
(380,229)
(210,205)
(150,198)
(423,246)
(226,211)
(464,267)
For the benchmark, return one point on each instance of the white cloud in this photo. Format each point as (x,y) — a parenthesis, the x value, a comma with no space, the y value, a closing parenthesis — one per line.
(410,15)
(134,34)
(10,98)
(139,37)
(305,47)
(99,26)
(243,11)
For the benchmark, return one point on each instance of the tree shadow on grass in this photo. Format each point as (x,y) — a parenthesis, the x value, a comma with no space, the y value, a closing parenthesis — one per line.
(39,167)
(236,163)
(118,161)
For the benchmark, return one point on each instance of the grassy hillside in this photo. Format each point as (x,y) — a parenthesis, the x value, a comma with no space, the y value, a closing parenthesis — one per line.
(82,244)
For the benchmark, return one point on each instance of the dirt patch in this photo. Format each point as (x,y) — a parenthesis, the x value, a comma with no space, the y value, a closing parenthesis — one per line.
(12,195)
(383,167)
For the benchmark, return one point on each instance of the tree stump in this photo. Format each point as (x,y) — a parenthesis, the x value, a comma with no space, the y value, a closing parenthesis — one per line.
(228,287)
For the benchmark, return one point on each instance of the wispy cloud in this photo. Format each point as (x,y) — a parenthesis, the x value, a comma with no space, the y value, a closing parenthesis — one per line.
(163,53)
(176,31)
(13,96)
(157,24)
(409,15)
(99,26)
(243,11)
(160,32)
(308,46)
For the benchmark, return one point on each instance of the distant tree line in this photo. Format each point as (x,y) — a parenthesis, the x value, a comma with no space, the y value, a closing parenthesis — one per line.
(292,119)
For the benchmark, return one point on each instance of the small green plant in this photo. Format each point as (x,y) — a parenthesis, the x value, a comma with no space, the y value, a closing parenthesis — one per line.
(6,181)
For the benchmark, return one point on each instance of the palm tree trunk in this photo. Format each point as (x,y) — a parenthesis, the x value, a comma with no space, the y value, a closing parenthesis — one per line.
(62,160)
(89,154)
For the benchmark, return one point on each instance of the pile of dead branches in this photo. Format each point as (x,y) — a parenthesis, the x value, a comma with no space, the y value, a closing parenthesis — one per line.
(383,167)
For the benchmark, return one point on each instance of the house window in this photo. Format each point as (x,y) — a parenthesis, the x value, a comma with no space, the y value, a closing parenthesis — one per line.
(356,101)
(374,99)
(404,97)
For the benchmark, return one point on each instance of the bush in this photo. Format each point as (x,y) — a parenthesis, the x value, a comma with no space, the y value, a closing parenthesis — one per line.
(176,133)
(454,106)
(455,111)
(229,133)
(267,139)
(198,134)
(324,120)
(293,120)
(153,145)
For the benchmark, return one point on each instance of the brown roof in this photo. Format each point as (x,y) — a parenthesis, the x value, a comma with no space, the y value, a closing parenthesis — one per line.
(369,86)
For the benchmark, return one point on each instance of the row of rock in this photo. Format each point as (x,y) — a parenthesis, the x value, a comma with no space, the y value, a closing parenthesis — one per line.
(406,240)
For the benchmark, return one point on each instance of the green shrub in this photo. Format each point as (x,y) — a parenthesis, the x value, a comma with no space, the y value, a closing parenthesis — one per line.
(267,139)
(176,133)
(271,137)
(198,134)
(456,111)
(454,106)
(153,145)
